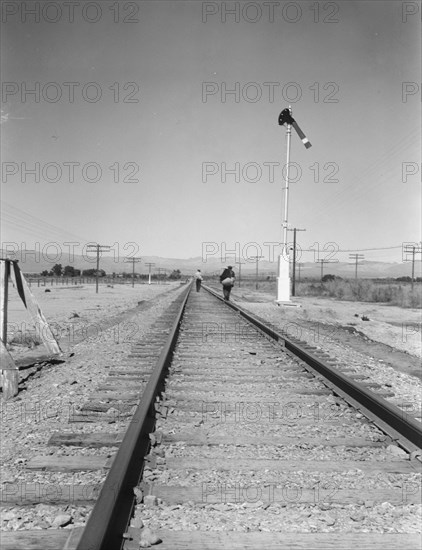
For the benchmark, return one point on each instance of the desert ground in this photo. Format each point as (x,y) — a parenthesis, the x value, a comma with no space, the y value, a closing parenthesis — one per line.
(74,313)
(68,308)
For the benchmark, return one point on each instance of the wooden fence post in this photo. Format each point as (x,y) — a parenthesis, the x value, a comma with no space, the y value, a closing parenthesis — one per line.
(4,297)
(9,371)
(31,305)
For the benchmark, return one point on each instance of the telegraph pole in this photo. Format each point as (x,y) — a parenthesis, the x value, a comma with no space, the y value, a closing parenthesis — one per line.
(99,248)
(257,258)
(322,262)
(240,269)
(149,273)
(294,258)
(411,249)
(299,265)
(161,269)
(357,258)
(133,261)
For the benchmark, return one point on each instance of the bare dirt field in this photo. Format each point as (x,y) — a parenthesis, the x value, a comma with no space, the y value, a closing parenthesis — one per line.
(75,312)
(394,326)
(389,333)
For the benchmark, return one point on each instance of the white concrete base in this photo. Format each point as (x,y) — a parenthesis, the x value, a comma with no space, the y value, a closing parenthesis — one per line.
(283,289)
(283,280)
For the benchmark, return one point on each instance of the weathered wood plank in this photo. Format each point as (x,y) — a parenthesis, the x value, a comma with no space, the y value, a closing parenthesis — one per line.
(24,494)
(100,417)
(240,378)
(60,463)
(120,406)
(123,379)
(187,416)
(35,539)
(270,370)
(74,537)
(256,411)
(4,297)
(119,384)
(116,396)
(9,378)
(234,540)
(37,315)
(283,392)
(212,493)
(235,394)
(197,437)
(87,440)
(239,464)
(130,372)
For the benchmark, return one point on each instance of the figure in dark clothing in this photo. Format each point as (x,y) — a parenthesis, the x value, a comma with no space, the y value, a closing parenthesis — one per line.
(227,280)
(198,280)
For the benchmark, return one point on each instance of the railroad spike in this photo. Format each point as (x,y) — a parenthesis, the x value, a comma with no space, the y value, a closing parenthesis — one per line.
(285,117)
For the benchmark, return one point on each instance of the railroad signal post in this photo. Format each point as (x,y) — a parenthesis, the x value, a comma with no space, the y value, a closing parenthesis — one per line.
(294,259)
(99,248)
(283,279)
(133,261)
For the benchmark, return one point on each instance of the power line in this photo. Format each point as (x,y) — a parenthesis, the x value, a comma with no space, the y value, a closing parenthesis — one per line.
(364,180)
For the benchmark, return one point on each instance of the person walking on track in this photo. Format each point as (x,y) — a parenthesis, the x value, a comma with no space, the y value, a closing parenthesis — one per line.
(227,280)
(198,280)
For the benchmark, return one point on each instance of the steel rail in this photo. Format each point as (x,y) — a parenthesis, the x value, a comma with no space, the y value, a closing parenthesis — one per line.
(407,431)
(111,514)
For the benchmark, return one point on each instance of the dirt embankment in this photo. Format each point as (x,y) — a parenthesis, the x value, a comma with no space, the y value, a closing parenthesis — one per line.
(388,333)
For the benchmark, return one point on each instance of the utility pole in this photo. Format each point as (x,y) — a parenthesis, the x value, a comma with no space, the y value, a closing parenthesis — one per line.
(99,248)
(411,249)
(294,259)
(357,258)
(161,269)
(299,265)
(257,258)
(149,273)
(322,262)
(133,261)
(240,269)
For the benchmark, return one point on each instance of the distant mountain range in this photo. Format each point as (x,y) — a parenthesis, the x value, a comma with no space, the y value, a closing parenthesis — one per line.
(36,262)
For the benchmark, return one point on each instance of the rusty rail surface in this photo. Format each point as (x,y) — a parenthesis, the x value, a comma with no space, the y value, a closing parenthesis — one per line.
(111,514)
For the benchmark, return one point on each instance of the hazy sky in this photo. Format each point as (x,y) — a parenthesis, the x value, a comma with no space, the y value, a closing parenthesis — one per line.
(135,137)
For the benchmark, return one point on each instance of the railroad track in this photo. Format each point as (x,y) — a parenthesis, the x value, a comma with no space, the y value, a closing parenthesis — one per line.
(251,444)
(66,480)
